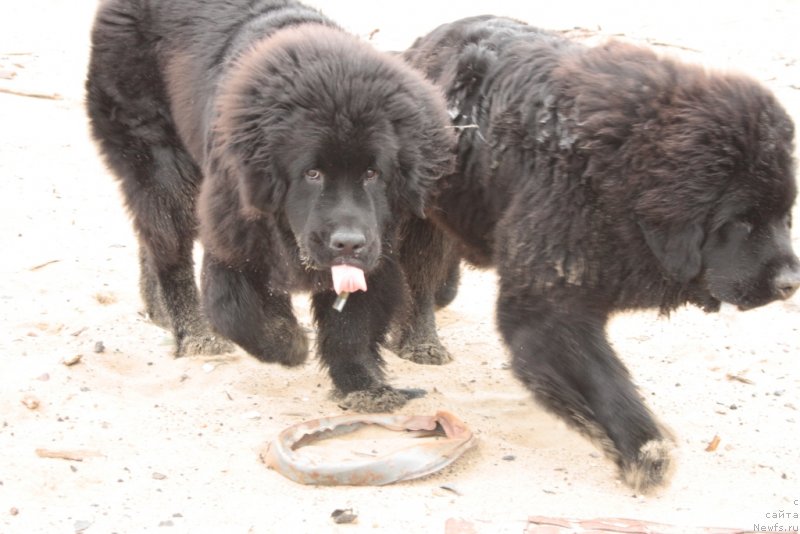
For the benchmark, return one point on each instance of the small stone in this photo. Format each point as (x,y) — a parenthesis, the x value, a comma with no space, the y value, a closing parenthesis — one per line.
(99,347)
(72,360)
(344,516)
(30,402)
(14,511)
(509,458)
(159,476)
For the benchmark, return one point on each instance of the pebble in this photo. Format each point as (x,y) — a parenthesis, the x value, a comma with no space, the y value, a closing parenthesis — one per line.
(30,402)
(72,360)
(344,516)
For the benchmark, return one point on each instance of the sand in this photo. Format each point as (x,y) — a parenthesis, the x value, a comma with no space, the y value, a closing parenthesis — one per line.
(144,442)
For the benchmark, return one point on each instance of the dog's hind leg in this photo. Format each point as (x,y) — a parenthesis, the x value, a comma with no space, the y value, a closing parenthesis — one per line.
(154,183)
(158,185)
(431,265)
(564,358)
(131,119)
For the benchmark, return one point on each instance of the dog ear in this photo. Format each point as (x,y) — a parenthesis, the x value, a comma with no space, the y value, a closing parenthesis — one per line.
(246,150)
(242,143)
(261,189)
(677,247)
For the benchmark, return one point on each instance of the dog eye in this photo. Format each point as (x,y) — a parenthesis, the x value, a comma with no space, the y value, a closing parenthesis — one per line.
(371,175)
(313,175)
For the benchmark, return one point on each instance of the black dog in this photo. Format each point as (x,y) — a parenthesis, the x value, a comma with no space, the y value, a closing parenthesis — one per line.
(299,148)
(604,179)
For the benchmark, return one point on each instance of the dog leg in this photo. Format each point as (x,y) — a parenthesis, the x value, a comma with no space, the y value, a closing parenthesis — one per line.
(240,305)
(167,279)
(348,342)
(565,359)
(150,290)
(432,269)
(158,178)
(448,289)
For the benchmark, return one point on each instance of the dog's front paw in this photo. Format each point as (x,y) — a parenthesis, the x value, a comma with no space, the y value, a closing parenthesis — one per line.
(381,399)
(653,467)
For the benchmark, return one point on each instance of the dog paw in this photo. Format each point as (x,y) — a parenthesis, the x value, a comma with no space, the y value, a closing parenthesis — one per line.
(203,344)
(425,354)
(382,399)
(652,468)
(289,347)
(293,353)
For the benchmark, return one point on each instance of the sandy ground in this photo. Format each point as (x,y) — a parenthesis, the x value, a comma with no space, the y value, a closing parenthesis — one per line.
(172,445)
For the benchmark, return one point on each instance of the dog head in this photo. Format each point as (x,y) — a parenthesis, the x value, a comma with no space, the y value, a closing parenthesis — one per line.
(334,137)
(725,223)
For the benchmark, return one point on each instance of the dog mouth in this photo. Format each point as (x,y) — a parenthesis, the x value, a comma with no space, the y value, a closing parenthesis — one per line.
(316,255)
(314,263)
(348,279)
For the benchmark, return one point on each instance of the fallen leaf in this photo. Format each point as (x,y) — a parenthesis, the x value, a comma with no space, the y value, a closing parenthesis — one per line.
(76,455)
(738,378)
(713,444)
(43,265)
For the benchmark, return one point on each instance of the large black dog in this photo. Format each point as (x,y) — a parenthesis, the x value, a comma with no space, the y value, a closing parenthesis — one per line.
(604,179)
(293,146)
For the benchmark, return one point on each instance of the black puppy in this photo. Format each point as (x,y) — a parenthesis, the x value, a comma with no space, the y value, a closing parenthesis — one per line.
(299,148)
(598,180)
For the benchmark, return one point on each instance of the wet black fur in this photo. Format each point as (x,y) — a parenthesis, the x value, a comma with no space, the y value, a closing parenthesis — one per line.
(288,146)
(597,180)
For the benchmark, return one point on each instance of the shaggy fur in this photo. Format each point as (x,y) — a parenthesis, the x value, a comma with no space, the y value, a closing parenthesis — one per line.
(297,146)
(605,179)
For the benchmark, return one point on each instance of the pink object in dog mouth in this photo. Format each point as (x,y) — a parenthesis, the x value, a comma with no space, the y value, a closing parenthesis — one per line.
(348,279)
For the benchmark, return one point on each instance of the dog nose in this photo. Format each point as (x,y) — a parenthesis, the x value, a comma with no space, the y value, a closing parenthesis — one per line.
(347,242)
(787,282)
